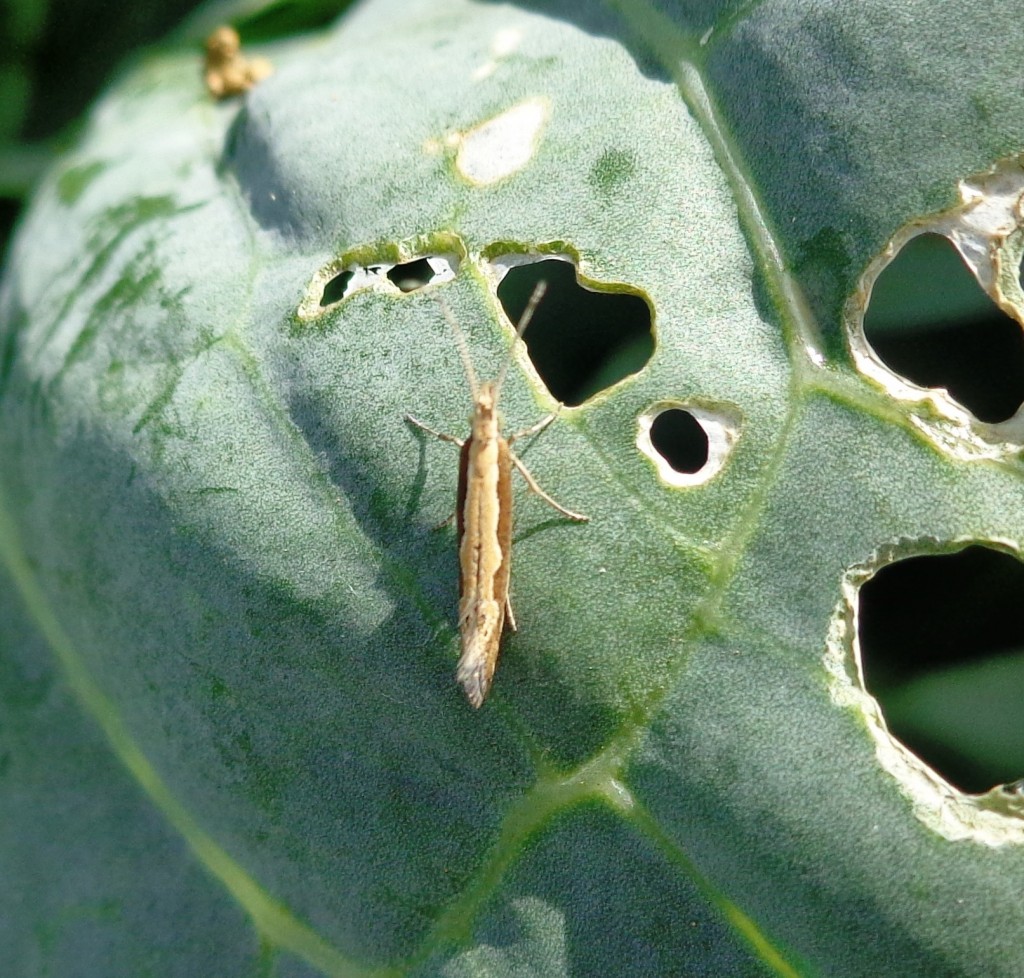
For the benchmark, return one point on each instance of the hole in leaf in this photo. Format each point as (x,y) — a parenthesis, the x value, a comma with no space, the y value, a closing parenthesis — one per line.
(412,275)
(681,440)
(334,290)
(580,340)
(942,644)
(930,322)
(688,443)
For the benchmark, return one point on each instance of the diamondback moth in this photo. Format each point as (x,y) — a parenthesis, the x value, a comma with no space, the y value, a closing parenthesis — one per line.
(484,515)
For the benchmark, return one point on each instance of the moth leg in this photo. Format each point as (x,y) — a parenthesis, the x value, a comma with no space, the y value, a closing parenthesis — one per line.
(535,429)
(430,431)
(532,483)
(510,619)
(437,434)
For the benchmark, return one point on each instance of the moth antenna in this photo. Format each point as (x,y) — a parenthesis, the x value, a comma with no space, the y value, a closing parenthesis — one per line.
(460,342)
(524,320)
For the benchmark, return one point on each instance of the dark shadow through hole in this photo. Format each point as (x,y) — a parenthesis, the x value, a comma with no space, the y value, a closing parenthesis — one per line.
(681,440)
(580,341)
(942,644)
(334,290)
(412,275)
(929,321)
(270,22)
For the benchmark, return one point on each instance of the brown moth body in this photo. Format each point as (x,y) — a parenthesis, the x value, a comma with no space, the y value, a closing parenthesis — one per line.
(484,519)
(484,512)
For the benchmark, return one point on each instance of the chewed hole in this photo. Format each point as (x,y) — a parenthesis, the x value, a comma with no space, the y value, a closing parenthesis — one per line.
(412,275)
(335,289)
(688,443)
(581,339)
(942,651)
(337,281)
(930,322)
(681,440)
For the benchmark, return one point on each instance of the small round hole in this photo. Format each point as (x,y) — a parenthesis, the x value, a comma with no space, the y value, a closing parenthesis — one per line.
(681,440)
(688,443)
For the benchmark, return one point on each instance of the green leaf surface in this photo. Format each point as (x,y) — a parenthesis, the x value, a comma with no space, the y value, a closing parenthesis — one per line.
(95,881)
(221,525)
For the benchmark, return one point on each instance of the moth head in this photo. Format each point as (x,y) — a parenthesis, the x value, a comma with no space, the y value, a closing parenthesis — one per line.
(486,400)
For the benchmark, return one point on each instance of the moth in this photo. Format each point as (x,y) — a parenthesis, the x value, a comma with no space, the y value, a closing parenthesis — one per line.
(484,515)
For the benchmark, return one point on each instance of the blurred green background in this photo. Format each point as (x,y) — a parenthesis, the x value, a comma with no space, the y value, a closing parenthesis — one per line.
(56,56)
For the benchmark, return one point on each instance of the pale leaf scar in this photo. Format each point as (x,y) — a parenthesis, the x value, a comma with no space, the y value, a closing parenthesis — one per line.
(484,514)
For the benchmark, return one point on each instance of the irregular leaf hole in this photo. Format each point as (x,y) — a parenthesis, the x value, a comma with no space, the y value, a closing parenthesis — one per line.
(335,289)
(930,322)
(681,440)
(688,443)
(581,340)
(942,651)
(382,276)
(412,275)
